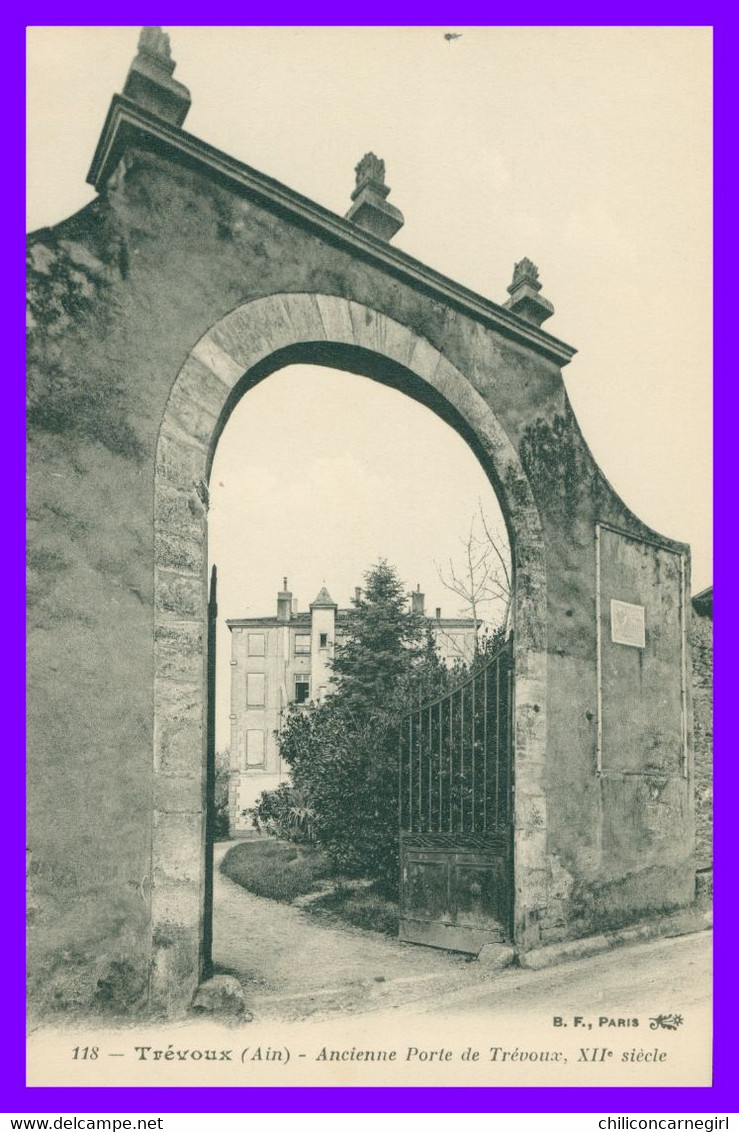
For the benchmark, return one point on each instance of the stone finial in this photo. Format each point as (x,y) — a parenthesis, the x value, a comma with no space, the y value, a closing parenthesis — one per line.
(525,299)
(154,43)
(370,171)
(371,210)
(525,270)
(149,82)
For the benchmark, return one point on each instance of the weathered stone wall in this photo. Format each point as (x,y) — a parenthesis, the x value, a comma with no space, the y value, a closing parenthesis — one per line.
(701,642)
(89,617)
(119,296)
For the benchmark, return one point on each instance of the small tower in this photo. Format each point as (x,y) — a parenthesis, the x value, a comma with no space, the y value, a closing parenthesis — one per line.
(322,637)
(371,210)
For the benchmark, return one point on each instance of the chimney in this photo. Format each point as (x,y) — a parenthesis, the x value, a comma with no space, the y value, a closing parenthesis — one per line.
(438,613)
(284,602)
(357,594)
(417,601)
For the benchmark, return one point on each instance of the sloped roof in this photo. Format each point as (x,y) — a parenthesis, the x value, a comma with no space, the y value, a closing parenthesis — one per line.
(324,598)
(703,602)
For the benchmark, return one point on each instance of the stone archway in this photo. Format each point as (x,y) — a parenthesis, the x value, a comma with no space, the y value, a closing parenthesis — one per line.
(120,397)
(242,348)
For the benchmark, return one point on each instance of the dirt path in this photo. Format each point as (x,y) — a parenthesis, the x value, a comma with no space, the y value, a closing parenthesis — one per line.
(293,964)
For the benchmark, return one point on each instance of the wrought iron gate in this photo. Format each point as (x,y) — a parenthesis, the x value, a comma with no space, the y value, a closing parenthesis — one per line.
(456,813)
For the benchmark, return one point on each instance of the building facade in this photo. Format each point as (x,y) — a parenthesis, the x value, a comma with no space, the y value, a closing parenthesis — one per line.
(285,659)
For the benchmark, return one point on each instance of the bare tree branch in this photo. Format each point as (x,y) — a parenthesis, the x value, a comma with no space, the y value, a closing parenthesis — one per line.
(494,543)
(485,579)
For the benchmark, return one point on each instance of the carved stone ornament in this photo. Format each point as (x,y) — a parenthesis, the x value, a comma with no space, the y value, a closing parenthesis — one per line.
(525,270)
(149,82)
(370,170)
(370,209)
(154,43)
(525,300)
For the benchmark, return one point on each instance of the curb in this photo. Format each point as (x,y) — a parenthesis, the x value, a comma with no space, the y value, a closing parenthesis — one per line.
(680,923)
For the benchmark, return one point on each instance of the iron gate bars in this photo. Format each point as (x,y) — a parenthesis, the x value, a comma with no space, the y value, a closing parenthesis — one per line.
(455,755)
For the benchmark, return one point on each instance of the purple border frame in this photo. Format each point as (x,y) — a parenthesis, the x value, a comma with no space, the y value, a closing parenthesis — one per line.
(723,1095)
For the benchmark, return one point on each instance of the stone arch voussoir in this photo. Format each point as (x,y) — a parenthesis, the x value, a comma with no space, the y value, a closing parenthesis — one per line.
(243,339)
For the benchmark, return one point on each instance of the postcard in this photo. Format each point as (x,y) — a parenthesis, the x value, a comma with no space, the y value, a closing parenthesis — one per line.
(370,603)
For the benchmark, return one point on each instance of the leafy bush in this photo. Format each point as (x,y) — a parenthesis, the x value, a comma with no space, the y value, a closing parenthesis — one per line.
(349,765)
(275,870)
(284,812)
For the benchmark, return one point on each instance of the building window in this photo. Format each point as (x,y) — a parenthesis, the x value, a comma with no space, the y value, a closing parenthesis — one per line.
(323,640)
(302,687)
(255,689)
(254,748)
(302,645)
(256,644)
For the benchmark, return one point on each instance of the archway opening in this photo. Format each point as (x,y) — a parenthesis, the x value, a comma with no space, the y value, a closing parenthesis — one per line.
(240,351)
(318,476)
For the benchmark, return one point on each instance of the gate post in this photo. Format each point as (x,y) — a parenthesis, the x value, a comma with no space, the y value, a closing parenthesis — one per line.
(529,715)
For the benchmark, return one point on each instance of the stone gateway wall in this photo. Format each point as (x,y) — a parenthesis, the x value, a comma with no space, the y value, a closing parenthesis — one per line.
(152,312)
(701,643)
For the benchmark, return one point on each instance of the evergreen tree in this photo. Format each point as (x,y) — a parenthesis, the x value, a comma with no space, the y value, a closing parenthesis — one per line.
(344,754)
(383,642)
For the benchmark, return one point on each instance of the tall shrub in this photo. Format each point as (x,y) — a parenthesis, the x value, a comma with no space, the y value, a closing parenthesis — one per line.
(344,753)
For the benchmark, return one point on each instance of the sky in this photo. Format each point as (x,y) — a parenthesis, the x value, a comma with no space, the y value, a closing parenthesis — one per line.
(586,149)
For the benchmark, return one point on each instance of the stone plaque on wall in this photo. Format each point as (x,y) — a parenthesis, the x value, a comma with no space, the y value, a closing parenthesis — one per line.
(627,624)
(642,723)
